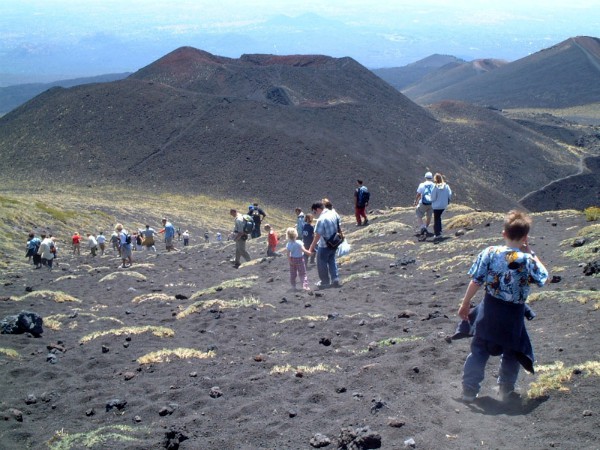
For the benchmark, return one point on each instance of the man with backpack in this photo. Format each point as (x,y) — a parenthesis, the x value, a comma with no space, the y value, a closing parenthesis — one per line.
(361,201)
(258,215)
(423,204)
(244,224)
(124,245)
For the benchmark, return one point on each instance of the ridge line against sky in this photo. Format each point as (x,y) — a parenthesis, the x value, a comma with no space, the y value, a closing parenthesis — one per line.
(53,38)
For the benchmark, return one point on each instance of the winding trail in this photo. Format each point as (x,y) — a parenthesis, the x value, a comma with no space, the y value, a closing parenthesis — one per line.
(582,169)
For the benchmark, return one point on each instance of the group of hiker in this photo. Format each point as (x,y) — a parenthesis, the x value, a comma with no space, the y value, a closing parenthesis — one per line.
(43,250)
(496,325)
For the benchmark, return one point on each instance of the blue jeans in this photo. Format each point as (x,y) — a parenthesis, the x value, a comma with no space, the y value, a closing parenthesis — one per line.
(326,265)
(474,369)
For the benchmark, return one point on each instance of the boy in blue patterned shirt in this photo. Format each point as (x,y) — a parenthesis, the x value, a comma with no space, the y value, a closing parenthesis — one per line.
(506,271)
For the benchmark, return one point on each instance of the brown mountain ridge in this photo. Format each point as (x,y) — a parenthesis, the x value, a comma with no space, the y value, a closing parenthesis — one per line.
(279,129)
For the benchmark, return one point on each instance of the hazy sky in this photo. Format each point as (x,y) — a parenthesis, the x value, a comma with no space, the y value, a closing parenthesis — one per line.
(84,37)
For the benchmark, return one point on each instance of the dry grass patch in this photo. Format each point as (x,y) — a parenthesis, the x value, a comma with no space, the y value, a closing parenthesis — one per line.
(245,302)
(56,296)
(361,276)
(153,297)
(168,355)
(67,277)
(240,283)
(448,264)
(582,296)
(353,257)
(287,368)
(115,275)
(55,321)
(99,438)
(553,377)
(388,342)
(156,331)
(472,219)
(309,318)
(591,234)
(10,353)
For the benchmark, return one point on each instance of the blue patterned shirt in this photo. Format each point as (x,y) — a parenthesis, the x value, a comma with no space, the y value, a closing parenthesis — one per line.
(327,225)
(507,273)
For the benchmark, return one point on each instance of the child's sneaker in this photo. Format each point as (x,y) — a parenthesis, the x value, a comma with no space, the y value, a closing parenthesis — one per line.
(468,396)
(508,394)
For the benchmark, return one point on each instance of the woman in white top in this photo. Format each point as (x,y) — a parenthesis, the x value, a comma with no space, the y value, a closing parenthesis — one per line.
(440,199)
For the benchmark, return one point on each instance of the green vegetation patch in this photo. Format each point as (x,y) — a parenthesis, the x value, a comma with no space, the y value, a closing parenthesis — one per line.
(60,215)
(361,276)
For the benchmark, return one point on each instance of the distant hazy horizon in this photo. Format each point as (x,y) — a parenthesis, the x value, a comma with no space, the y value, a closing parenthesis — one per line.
(45,40)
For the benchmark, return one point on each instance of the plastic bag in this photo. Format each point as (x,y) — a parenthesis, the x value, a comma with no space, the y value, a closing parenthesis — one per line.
(343,248)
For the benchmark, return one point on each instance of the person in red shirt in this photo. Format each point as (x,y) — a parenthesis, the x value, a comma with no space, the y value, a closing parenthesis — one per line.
(272,241)
(76,243)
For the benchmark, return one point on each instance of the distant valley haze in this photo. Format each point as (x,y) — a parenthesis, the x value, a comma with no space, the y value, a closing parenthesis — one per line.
(43,41)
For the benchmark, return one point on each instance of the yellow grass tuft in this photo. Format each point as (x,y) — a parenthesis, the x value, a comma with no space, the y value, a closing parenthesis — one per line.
(361,276)
(353,257)
(592,213)
(554,376)
(9,352)
(153,297)
(157,331)
(304,369)
(245,302)
(115,275)
(582,296)
(55,321)
(388,342)
(311,318)
(99,438)
(166,355)
(240,283)
(56,296)
(471,219)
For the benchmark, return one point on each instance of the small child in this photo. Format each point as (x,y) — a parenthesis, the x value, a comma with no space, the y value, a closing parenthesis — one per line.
(296,251)
(272,241)
(186,238)
(499,326)
(308,234)
(206,237)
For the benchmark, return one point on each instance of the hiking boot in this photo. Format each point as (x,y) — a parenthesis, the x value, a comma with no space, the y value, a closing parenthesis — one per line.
(508,394)
(468,396)
(336,284)
(321,285)
(366,222)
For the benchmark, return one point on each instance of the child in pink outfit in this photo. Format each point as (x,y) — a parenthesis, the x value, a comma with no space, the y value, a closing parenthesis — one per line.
(296,252)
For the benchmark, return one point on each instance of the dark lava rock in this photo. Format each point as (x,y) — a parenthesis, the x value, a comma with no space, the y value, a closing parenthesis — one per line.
(358,439)
(591,268)
(173,438)
(24,322)
(116,403)
(325,341)
(578,242)
(556,279)
(165,411)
